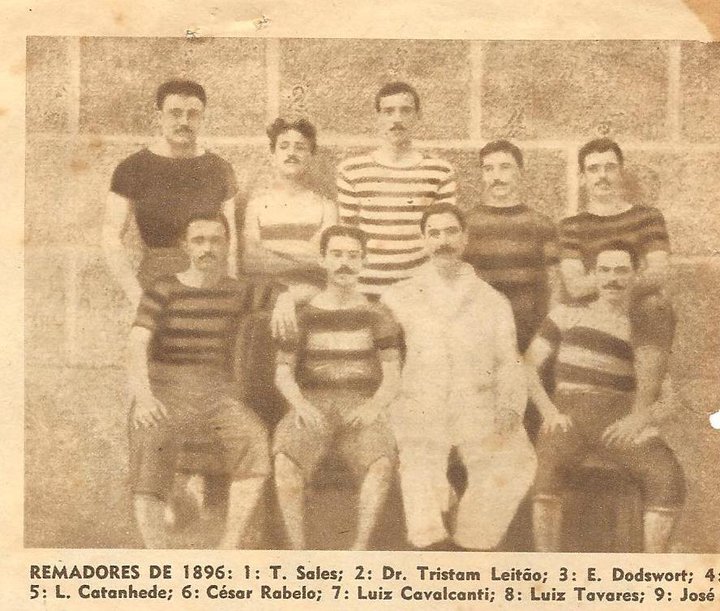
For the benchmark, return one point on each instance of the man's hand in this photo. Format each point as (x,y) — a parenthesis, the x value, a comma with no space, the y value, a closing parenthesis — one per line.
(362,415)
(506,421)
(284,321)
(147,410)
(627,430)
(307,415)
(554,421)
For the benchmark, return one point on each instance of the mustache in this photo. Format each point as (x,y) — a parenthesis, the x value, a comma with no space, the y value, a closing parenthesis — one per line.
(344,269)
(604,182)
(498,183)
(445,250)
(613,285)
(208,256)
(397,128)
(292,158)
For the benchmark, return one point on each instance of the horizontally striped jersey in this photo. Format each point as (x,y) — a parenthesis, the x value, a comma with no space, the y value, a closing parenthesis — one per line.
(198,326)
(387,203)
(511,249)
(584,235)
(342,348)
(592,347)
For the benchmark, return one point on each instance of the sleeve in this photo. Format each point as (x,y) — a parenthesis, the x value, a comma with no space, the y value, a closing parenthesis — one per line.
(125,179)
(551,244)
(570,244)
(152,304)
(348,203)
(653,233)
(549,331)
(231,187)
(386,330)
(653,322)
(290,344)
(446,189)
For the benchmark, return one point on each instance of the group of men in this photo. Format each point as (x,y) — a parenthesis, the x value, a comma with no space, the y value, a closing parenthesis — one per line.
(430,330)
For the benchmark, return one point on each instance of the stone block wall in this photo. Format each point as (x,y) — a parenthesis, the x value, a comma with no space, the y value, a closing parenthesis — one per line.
(90,103)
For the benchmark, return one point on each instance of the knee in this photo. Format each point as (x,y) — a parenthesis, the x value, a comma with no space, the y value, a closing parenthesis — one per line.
(381,468)
(665,484)
(287,473)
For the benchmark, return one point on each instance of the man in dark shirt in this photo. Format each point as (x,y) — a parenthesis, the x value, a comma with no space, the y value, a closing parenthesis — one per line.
(161,187)
(338,376)
(181,383)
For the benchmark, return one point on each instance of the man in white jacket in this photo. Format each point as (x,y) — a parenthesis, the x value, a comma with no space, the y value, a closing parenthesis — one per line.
(463,387)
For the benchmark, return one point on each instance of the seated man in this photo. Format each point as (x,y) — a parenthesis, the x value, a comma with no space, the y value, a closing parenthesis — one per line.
(181,384)
(595,407)
(338,377)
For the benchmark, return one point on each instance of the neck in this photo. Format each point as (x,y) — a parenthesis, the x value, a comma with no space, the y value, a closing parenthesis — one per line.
(616,306)
(290,184)
(397,153)
(507,202)
(197,278)
(449,269)
(609,206)
(341,295)
(177,151)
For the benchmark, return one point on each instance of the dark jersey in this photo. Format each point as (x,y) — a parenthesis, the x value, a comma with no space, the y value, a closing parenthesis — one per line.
(166,192)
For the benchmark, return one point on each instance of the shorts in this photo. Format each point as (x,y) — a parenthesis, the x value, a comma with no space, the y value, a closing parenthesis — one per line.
(652,463)
(202,411)
(358,447)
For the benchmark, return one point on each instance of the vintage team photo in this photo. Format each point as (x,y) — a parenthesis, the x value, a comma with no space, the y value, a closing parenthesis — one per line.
(372,294)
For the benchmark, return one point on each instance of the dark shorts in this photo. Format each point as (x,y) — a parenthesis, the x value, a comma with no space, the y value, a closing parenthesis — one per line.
(358,447)
(652,463)
(202,412)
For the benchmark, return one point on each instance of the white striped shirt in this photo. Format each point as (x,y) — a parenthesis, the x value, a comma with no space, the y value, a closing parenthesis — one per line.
(387,203)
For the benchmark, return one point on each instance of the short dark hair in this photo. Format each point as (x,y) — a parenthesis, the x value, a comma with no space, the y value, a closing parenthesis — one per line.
(342,230)
(393,89)
(622,245)
(442,208)
(179,87)
(502,146)
(303,126)
(599,145)
(215,218)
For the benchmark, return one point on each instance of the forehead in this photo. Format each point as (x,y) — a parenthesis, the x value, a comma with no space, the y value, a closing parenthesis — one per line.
(397,99)
(292,135)
(601,158)
(343,242)
(205,228)
(188,102)
(499,157)
(614,258)
(444,220)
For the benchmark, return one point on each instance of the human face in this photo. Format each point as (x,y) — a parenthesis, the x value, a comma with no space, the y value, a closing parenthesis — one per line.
(206,243)
(614,275)
(292,154)
(602,175)
(444,238)
(180,119)
(343,260)
(397,119)
(500,176)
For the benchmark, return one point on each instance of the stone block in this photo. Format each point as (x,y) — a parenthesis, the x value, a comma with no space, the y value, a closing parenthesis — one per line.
(700,83)
(579,89)
(232,71)
(45,298)
(333,82)
(48,84)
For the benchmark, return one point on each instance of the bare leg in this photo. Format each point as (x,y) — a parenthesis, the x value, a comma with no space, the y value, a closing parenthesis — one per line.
(291,496)
(657,528)
(184,505)
(373,492)
(547,521)
(150,518)
(242,499)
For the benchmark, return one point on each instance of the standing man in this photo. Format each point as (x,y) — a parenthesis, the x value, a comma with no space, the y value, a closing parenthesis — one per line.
(512,247)
(385,192)
(161,187)
(596,406)
(610,217)
(338,377)
(463,387)
(181,383)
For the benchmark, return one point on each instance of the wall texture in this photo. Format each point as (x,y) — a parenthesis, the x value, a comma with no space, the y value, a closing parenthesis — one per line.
(90,103)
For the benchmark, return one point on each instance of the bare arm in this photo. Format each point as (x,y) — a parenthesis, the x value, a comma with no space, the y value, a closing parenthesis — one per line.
(306,414)
(117,213)
(555,284)
(228,209)
(147,410)
(578,283)
(367,412)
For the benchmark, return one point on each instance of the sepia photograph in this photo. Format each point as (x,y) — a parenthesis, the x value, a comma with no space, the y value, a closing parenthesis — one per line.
(372,294)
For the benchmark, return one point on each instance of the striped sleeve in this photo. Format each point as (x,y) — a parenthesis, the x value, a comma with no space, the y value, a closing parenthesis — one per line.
(570,242)
(386,331)
(152,304)
(446,189)
(653,232)
(549,331)
(348,202)
(551,244)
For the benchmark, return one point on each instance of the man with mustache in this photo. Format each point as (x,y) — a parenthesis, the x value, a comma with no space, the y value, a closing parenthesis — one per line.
(182,348)
(596,406)
(610,217)
(338,375)
(160,187)
(385,192)
(463,389)
(283,222)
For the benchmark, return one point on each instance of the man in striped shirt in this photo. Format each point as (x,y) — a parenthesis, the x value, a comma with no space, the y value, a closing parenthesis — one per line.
(385,192)
(182,389)
(597,405)
(338,376)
